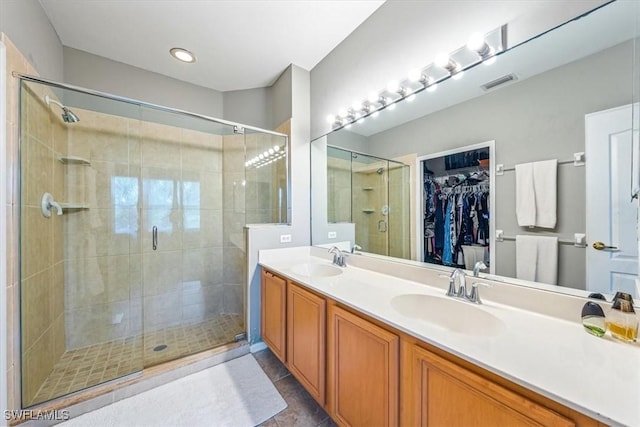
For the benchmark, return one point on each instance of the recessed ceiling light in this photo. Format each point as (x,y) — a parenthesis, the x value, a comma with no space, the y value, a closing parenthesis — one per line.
(182,55)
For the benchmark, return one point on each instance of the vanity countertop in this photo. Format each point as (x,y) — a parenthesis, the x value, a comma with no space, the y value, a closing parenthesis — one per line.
(556,358)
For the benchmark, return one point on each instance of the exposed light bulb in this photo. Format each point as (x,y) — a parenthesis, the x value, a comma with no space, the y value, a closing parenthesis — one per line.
(266,153)
(276,147)
(342,112)
(271,151)
(331,119)
(373,97)
(260,156)
(477,42)
(357,105)
(393,86)
(442,60)
(415,75)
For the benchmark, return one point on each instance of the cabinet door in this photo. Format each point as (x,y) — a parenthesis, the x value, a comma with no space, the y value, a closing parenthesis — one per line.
(446,394)
(306,339)
(273,313)
(363,371)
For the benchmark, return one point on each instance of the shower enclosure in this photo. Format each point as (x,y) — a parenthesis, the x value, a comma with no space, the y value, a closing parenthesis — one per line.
(373,193)
(132,233)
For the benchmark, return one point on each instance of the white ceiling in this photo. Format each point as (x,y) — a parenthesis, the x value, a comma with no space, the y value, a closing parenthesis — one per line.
(239,44)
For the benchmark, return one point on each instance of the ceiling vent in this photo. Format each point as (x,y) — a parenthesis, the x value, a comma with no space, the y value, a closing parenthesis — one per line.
(499,81)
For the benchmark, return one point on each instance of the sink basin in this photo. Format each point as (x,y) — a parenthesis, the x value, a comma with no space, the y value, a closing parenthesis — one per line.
(448,313)
(316,270)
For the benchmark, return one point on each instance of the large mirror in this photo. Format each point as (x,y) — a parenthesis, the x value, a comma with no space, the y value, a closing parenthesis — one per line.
(567,95)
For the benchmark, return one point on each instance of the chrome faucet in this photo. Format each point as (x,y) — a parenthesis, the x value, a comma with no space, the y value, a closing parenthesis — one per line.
(461,290)
(479,266)
(338,256)
(355,247)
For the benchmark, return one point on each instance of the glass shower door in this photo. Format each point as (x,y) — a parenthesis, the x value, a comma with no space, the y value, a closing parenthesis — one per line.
(191,242)
(399,210)
(81,321)
(370,202)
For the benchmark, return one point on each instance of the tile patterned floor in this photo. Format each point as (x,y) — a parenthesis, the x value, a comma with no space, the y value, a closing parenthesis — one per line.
(302,410)
(85,367)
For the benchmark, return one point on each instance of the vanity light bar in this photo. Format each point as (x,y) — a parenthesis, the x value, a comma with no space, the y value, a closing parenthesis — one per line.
(269,156)
(479,49)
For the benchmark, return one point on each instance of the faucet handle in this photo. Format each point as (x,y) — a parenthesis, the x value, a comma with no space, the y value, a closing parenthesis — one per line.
(474,296)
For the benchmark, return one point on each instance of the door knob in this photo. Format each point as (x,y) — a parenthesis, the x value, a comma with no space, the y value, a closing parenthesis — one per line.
(599,246)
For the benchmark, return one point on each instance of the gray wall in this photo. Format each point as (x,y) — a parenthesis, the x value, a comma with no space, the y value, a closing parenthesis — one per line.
(99,73)
(536,119)
(281,95)
(28,27)
(248,106)
(292,93)
(403,34)
(262,107)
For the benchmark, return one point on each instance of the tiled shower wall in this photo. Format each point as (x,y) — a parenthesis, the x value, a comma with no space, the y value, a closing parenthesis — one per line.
(43,275)
(144,174)
(370,192)
(338,190)
(399,217)
(16,62)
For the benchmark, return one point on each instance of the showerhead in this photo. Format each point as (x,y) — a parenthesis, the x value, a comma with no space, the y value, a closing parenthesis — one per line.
(380,171)
(68,116)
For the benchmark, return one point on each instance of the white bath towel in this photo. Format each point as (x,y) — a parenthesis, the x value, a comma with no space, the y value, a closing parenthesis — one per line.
(536,194)
(537,258)
(545,181)
(525,195)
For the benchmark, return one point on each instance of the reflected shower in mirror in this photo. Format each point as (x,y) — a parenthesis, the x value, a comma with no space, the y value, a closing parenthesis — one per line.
(566,95)
(371,193)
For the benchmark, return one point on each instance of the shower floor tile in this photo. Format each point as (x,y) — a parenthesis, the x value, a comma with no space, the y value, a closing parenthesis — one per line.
(88,366)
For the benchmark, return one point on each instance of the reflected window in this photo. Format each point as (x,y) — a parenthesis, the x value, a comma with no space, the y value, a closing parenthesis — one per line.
(191,204)
(124,196)
(159,194)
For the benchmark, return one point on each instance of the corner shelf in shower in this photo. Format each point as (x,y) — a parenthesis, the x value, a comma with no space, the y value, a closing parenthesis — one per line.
(368,211)
(74,206)
(74,160)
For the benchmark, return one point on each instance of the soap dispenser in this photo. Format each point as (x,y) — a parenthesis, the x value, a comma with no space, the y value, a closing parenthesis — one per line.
(621,319)
(593,318)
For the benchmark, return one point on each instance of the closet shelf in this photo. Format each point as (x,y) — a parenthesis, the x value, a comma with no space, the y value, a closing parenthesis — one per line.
(74,160)
(74,206)
(368,211)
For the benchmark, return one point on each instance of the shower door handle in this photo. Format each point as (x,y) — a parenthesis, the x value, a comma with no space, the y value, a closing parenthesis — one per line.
(154,237)
(382,226)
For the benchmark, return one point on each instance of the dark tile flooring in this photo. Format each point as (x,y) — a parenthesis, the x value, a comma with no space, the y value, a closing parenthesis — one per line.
(302,410)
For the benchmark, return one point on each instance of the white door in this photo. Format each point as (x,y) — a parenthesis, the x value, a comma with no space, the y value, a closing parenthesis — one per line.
(611,213)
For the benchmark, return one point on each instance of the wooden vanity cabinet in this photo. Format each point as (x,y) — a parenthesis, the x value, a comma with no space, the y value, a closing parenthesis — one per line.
(363,371)
(273,314)
(446,394)
(306,357)
(366,373)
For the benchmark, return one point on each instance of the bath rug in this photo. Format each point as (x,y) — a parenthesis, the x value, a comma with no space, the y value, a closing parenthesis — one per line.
(235,393)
